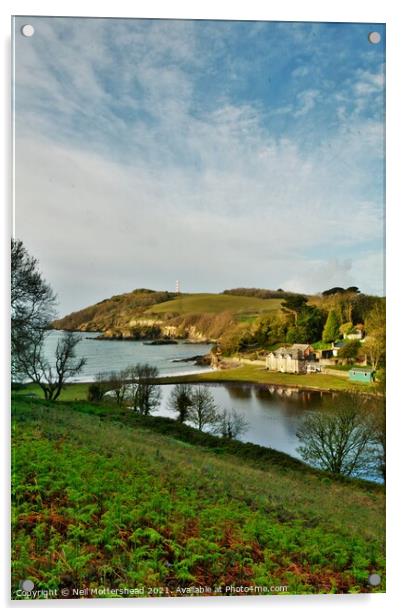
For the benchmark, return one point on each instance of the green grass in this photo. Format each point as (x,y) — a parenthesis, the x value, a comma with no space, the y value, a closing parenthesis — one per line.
(103,500)
(257,374)
(71,391)
(197,303)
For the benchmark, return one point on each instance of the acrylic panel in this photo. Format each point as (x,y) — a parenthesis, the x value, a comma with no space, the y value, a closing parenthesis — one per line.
(198,308)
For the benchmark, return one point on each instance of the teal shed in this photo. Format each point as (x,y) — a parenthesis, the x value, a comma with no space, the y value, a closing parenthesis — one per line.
(361,375)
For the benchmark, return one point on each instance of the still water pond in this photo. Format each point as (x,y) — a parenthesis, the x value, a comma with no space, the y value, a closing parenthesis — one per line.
(273,414)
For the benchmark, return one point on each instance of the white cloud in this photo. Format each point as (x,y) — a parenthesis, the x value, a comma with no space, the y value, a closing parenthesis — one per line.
(134,184)
(307,101)
(100,227)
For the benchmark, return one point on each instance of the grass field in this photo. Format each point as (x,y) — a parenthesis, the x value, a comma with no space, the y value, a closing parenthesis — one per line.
(197,303)
(102,501)
(257,374)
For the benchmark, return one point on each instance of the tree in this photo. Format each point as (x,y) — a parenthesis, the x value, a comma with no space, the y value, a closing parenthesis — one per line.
(143,393)
(331,328)
(362,305)
(231,424)
(203,411)
(51,378)
(350,350)
(333,291)
(294,304)
(115,382)
(309,326)
(103,383)
(341,440)
(346,328)
(32,305)
(180,400)
(375,342)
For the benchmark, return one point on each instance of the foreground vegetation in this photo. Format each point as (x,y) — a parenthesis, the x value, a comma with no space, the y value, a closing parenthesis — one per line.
(105,497)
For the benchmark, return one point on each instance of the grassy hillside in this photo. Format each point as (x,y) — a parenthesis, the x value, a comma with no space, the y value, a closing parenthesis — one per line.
(154,314)
(197,303)
(118,309)
(102,500)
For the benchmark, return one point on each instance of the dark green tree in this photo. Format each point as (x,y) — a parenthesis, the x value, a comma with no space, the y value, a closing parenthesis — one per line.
(294,305)
(350,350)
(143,394)
(180,400)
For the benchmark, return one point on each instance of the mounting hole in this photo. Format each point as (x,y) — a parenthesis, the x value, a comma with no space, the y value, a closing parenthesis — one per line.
(374,579)
(374,38)
(28,30)
(27,585)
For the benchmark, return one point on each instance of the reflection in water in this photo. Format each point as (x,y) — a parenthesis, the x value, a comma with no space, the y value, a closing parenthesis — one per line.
(239,392)
(273,413)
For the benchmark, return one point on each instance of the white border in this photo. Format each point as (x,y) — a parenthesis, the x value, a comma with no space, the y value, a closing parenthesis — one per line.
(287,10)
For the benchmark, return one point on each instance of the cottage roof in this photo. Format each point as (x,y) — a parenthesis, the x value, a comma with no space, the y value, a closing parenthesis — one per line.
(301,347)
(294,351)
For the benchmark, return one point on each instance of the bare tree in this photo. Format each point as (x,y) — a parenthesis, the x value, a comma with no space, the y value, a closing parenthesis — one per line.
(52,378)
(340,440)
(106,382)
(32,306)
(203,412)
(181,400)
(117,383)
(143,393)
(231,424)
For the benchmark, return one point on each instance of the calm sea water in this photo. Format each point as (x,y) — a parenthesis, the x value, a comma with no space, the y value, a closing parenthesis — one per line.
(108,355)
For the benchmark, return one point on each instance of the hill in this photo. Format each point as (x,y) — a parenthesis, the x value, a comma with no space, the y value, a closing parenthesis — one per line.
(152,314)
(212,303)
(131,507)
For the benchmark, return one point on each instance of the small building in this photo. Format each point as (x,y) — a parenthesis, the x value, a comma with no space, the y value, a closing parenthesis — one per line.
(293,358)
(355,334)
(361,375)
(336,346)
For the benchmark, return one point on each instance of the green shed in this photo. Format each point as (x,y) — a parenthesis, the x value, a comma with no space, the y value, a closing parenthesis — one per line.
(361,375)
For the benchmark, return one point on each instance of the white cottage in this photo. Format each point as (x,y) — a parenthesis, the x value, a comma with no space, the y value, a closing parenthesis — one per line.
(289,359)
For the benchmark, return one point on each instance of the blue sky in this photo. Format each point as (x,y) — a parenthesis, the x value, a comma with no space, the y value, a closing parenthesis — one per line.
(218,153)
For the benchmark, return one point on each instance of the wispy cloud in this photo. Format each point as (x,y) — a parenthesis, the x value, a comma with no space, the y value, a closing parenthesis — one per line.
(142,150)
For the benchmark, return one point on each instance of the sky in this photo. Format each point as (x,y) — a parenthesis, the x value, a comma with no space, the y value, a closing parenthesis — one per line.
(218,153)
